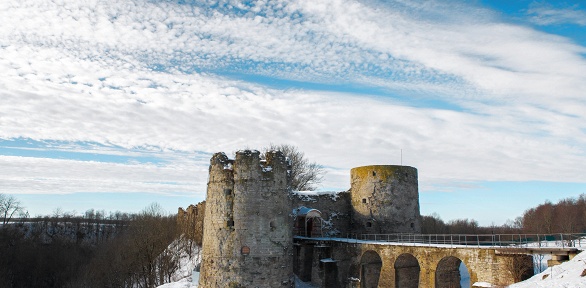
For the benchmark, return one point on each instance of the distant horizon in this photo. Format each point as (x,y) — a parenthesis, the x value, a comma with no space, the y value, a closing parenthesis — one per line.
(170,204)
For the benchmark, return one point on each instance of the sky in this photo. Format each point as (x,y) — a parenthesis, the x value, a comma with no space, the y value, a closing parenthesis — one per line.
(113,105)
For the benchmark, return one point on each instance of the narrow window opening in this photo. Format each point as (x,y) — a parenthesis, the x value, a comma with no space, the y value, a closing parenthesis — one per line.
(368,224)
(373,173)
(363,200)
(272,225)
(412,225)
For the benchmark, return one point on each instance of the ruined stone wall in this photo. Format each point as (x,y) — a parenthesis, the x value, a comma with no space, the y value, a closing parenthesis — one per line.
(247,227)
(335,209)
(385,199)
(190,222)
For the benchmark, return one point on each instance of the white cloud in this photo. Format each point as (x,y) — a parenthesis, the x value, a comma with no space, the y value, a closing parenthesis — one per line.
(403,45)
(88,72)
(28,175)
(545,14)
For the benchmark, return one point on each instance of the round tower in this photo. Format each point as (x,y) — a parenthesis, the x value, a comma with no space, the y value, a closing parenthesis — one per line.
(247,230)
(385,199)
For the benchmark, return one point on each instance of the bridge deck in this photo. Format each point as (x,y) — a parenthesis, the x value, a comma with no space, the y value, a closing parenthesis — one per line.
(556,244)
(538,250)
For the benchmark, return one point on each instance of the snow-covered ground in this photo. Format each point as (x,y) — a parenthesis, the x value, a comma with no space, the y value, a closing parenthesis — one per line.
(565,275)
(182,278)
(183,283)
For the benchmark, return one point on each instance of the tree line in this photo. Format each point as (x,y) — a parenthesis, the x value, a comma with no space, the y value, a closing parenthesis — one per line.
(91,250)
(117,249)
(566,216)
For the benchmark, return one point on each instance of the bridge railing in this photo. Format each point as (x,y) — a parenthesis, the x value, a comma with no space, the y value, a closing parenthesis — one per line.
(563,240)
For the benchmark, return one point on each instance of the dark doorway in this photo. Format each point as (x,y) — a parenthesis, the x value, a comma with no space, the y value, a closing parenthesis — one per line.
(309,227)
(407,271)
(331,275)
(370,266)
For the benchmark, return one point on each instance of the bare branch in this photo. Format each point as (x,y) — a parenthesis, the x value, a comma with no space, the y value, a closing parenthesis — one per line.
(9,206)
(305,175)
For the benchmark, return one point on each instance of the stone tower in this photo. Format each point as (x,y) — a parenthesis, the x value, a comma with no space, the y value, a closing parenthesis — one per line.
(247,230)
(385,199)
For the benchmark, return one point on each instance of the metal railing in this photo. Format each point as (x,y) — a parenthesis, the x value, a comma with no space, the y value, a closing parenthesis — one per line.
(560,240)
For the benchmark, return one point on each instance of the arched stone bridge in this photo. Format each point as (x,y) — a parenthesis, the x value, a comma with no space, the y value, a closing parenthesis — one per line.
(349,263)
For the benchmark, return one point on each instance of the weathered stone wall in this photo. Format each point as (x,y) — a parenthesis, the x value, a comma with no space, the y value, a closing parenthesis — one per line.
(248,225)
(190,222)
(438,267)
(385,199)
(335,209)
(218,237)
(247,228)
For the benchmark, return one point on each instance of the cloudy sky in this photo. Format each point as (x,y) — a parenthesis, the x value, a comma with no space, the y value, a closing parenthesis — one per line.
(116,104)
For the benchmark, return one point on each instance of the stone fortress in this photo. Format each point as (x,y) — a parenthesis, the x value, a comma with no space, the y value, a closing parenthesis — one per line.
(254,227)
(258,233)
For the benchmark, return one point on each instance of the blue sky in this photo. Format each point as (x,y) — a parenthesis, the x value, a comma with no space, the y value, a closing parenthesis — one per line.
(114,105)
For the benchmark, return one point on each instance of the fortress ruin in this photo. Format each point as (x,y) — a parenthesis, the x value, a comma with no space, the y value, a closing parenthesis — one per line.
(258,233)
(251,219)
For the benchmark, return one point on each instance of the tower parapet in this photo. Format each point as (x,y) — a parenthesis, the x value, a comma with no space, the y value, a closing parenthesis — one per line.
(385,199)
(247,230)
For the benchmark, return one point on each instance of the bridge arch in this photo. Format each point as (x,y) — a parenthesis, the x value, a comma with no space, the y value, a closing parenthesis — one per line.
(370,268)
(448,272)
(407,271)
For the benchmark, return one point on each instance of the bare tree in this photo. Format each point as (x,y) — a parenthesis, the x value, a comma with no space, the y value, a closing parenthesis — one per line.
(9,207)
(433,224)
(305,175)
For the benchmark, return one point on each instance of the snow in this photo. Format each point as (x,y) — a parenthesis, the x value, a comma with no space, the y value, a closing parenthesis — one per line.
(565,275)
(328,260)
(187,263)
(481,284)
(308,196)
(183,283)
(303,211)
(575,243)
(316,193)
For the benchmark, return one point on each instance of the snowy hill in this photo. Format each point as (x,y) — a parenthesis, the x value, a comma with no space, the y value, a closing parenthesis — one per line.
(182,277)
(566,275)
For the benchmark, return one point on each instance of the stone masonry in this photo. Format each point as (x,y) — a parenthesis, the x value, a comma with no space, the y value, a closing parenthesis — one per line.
(190,222)
(385,199)
(247,231)
(248,236)
(357,264)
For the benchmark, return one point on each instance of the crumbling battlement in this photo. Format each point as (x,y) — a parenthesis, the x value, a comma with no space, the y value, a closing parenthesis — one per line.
(190,222)
(247,233)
